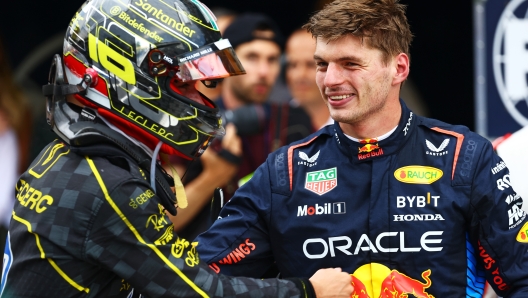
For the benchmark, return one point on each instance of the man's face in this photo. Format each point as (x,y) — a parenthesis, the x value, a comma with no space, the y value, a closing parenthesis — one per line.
(188,89)
(300,71)
(260,59)
(352,78)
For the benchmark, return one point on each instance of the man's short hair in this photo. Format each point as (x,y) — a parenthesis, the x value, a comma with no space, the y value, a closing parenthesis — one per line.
(250,26)
(382,24)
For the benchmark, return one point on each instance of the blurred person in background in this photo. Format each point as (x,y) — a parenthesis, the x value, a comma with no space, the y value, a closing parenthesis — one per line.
(261,125)
(90,219)
(224,17)
(300,77)
(15,133)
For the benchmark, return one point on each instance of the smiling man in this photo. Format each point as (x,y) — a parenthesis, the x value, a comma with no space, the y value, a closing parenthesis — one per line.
(410,206)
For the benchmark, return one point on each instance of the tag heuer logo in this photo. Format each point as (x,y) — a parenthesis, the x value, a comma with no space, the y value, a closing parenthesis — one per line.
(321,182)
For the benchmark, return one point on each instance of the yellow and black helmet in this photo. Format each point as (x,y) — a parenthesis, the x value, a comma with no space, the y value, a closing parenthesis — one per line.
(139,61)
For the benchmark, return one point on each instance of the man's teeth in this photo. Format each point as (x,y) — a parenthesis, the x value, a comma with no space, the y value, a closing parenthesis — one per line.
(339,97)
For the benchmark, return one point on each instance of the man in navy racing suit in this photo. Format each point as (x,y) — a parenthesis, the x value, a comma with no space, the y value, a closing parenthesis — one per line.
(91,215)
(410,206)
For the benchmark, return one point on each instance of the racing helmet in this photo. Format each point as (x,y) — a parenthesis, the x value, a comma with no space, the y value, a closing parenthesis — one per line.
(136,61)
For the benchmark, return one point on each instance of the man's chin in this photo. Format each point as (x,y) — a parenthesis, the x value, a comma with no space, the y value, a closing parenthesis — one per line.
(260,98)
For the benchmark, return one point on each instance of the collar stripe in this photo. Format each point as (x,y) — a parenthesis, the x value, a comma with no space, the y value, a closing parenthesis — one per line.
(290,159)
(460,139)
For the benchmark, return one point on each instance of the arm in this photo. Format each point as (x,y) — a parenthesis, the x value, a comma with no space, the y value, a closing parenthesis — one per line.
(238,242)
(498,226)
(137,243)
(216,172)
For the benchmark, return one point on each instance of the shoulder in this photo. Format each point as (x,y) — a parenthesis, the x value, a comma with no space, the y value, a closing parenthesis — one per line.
(314,139)
(470,148)
(460,132)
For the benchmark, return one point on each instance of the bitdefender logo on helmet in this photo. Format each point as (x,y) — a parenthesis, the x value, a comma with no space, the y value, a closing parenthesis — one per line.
(510,59)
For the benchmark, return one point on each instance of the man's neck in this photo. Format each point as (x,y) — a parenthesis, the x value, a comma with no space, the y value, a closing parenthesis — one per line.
(375,125)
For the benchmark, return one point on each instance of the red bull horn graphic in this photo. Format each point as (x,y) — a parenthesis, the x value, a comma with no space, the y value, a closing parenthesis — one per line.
(370,148)
(368,141)
(377,281)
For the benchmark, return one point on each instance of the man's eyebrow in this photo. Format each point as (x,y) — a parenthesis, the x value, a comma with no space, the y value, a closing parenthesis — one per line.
(346,58)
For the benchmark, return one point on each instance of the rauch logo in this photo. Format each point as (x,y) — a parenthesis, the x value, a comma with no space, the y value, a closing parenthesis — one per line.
(321,182)
(418,174)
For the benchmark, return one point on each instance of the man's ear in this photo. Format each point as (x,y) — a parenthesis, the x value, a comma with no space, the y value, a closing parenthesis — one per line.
(402,64)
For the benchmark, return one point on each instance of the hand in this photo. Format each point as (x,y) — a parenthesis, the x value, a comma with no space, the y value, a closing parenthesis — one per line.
(332,282)
(231,141)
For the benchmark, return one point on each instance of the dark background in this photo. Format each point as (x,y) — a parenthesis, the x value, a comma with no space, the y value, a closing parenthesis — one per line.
(441,52)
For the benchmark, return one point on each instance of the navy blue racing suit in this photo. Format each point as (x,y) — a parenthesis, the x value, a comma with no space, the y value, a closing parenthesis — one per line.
(428,211)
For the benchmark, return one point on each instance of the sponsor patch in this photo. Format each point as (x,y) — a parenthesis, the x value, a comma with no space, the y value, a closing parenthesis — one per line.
(504,182)
(467,159)
(499,167)
(416,201)
(522,236)
(417,217)
(515,214)
(280,170)
(308,161)
(408,125)
(418,174)
(369,149)
(493,267)
(436,151)
(324,209)
(321,182)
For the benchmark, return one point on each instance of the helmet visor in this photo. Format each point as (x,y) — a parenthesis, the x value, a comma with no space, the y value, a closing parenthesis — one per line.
(214,61)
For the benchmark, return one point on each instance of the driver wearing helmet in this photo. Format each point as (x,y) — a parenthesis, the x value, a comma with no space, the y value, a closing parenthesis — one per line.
(90,219)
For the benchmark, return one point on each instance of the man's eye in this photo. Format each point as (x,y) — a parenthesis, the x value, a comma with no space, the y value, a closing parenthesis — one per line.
(252,58)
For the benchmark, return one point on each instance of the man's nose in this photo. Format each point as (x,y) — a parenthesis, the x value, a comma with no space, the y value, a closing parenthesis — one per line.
(264,68)
(334,75)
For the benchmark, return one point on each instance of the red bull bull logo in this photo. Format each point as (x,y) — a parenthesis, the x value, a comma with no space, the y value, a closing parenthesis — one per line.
(370,148)
(377,281)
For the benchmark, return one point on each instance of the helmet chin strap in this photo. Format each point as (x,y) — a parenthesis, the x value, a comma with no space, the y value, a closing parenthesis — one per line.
(153,166)
(181,196)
